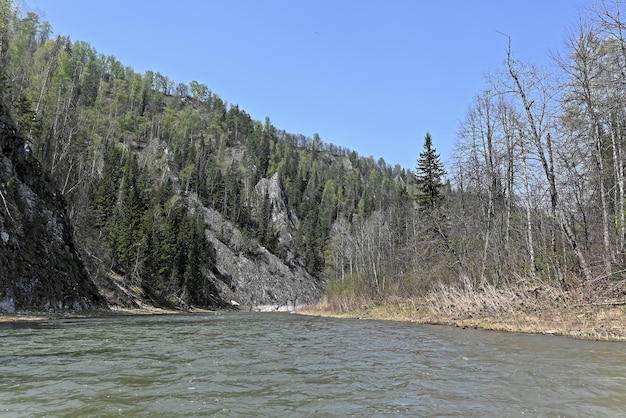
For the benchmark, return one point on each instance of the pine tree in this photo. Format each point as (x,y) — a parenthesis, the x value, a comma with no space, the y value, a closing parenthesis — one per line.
(430,172)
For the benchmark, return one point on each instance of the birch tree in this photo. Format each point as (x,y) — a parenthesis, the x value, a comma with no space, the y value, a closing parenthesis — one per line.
(533,91)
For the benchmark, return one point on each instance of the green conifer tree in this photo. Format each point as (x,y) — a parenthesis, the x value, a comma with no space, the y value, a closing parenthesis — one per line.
(131,211)
(429,175)
(106,193)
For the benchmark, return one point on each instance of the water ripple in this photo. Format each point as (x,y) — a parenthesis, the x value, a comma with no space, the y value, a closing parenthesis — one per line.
(240,364)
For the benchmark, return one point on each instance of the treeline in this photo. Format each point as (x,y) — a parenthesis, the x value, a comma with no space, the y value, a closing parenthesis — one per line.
(539,172)
(536,185)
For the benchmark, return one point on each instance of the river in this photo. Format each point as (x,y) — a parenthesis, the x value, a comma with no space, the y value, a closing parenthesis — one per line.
(280,364)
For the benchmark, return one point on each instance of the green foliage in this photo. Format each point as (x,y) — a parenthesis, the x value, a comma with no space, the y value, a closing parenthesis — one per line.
(199,91)
(25,116)
(266,231)
(125,224)
(430,172)
(352,286)
(351,292)
(106,194)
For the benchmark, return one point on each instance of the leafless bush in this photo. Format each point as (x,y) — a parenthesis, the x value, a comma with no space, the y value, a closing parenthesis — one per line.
(465,301)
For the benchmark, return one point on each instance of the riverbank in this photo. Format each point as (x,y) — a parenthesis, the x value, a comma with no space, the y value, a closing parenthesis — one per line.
(535,311)
(543,312)
(33,316)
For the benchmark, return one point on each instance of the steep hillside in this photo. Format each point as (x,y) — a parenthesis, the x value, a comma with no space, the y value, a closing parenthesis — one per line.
(247,273)
(39,265)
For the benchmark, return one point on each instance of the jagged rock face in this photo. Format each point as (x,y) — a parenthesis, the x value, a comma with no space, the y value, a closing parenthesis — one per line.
(284,219)
(248,273)
(39,266)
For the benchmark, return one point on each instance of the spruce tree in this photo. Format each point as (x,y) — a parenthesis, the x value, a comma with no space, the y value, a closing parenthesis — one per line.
(429,174)
(129,217)
(105,197)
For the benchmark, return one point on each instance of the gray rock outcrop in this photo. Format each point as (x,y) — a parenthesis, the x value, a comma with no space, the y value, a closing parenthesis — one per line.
(39,265)
(284,220)
(248,274)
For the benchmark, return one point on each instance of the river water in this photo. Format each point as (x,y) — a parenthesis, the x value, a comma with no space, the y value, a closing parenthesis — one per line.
(280,364)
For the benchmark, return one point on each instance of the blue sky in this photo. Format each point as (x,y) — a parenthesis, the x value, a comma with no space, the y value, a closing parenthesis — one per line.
(373,76)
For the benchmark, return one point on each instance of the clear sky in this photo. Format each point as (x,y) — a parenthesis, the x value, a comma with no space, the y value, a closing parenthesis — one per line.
(373,76)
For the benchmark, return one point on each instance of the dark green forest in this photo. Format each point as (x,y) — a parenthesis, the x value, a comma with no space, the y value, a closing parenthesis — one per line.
(535,192)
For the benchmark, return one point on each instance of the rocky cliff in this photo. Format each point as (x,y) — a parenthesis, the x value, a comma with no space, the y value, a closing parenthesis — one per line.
(248,274)
(39,265)
(283,218)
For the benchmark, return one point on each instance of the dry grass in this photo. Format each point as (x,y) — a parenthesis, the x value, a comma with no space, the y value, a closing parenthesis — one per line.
(346,303)
(489,301)
(526,309)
